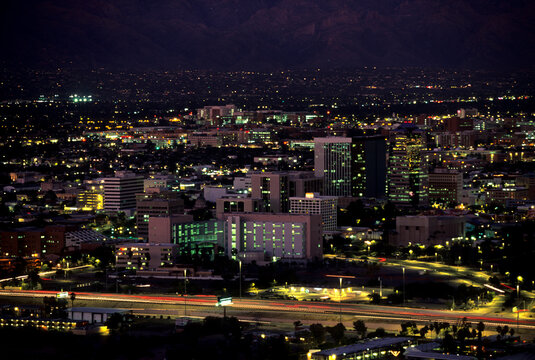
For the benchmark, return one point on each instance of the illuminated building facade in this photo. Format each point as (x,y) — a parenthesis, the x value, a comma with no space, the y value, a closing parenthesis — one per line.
(91,199)
(264,237)
(445,186)
(141,256)
(314,204)
(273,189)
(351,166)
(197,237)
(407,170)
(120,191)
(153,205)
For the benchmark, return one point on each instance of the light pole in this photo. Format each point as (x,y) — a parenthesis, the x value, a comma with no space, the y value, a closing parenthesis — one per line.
(380,287)
(185,292)
(240,278)
(340,277)
(340,298)
(403,286)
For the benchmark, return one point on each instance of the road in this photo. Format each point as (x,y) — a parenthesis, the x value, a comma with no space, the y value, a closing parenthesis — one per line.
(203,305)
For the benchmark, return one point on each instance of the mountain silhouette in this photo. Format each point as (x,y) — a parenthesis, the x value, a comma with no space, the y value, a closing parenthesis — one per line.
(269,34)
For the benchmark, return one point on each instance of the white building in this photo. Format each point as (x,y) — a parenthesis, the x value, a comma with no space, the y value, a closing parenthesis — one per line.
(120,191)
(314,204)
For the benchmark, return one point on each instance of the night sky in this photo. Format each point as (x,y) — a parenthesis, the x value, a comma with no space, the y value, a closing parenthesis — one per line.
(268,34)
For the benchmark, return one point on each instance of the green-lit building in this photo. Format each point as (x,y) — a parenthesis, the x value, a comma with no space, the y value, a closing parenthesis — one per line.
(199,237)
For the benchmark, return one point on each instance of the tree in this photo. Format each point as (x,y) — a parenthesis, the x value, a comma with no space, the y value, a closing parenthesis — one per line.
(33,279)
(409,328)
(360,328)
(480,329)
(379,332)
(297,325)
(318,333)
(424,330)
(448,344)
(337,332)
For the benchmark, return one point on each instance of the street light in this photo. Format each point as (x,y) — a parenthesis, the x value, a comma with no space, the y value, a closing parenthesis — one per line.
(185,292)
(380,287)
(403,286)
(240,277)
(340,298)
(340,277)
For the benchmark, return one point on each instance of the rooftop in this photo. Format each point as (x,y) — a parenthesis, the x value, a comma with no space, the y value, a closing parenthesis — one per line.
(368,345)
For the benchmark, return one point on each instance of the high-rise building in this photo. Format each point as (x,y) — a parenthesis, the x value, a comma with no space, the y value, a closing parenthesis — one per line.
(275,188)
(314,204)
(334,162)
(351,166)
(407,170)
(120,191)
(445,186)
(155,204)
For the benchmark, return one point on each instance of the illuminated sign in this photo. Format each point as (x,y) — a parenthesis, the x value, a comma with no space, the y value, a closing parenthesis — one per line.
(395,352)
(223,301)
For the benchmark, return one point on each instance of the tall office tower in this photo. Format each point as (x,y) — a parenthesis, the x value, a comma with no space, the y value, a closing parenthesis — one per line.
(351,166)
(156,204)
(445,186)
(407,170)
(314,204)
(273,189)
(120,191)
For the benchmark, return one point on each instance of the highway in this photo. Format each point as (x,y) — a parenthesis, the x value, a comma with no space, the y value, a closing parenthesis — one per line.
(203,305)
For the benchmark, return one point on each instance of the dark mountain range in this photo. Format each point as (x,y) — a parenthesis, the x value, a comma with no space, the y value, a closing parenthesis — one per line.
(241,34)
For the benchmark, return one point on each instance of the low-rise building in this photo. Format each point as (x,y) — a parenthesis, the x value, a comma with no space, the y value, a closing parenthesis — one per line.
(266,237)
(144,256)
(429,229)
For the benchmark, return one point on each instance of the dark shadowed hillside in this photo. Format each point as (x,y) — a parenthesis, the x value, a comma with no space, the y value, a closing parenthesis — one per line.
(229,34)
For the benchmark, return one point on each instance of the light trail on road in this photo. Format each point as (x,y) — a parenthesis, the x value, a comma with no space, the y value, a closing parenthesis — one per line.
(207,303)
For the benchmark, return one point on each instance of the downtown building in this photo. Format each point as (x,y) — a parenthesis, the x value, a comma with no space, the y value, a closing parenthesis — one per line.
(315,204)
(351,166)
(264,237)
(120,192)
(407,168)
(445,186)
(156,204)
(275,188)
